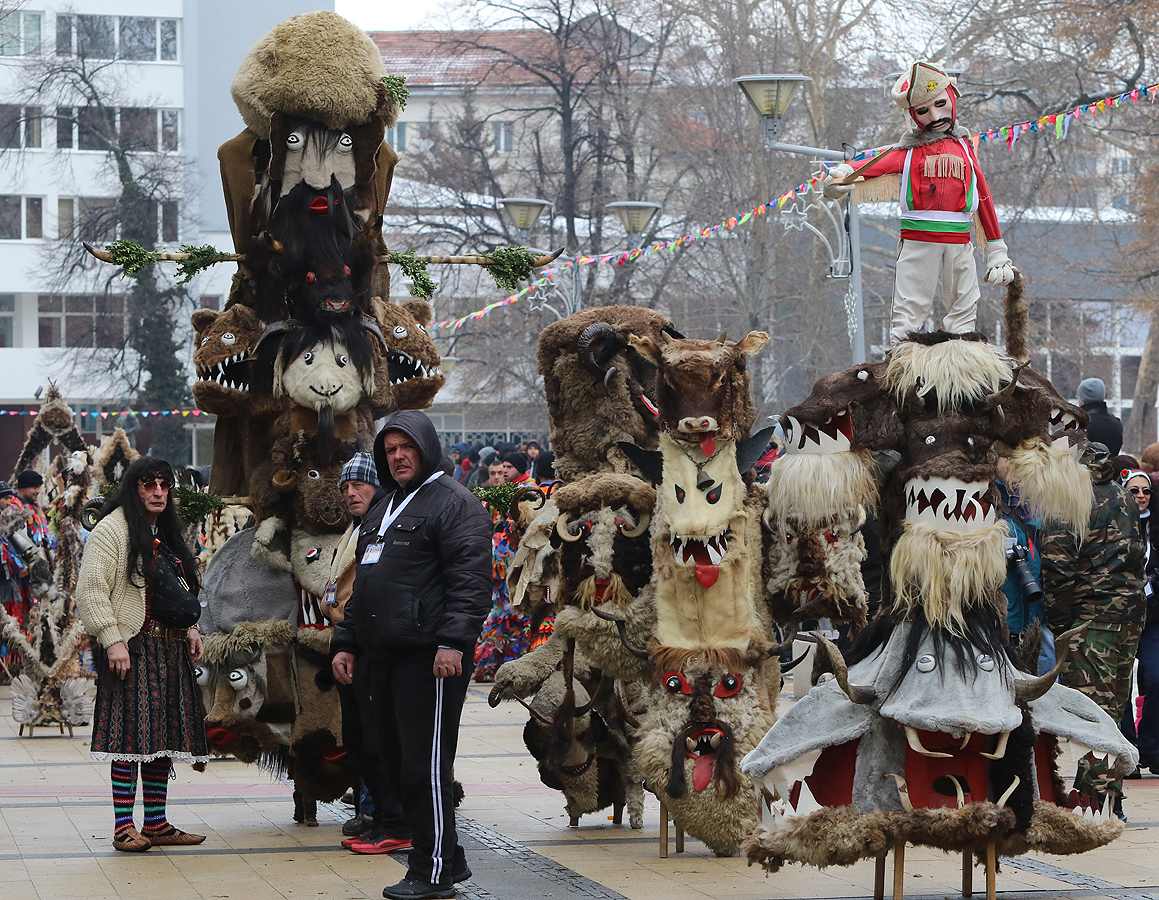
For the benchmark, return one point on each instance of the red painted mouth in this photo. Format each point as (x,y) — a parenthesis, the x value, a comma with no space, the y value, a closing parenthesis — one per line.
(219,736)
(706,741)
(319,206)
(334,754)
(337,305)
(602,585)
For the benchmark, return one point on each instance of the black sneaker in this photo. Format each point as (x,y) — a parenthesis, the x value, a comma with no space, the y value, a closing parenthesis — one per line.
(417,890)
(463,874)
(357,824)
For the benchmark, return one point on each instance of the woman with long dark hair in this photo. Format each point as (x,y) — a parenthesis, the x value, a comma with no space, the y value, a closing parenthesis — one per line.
(136,594)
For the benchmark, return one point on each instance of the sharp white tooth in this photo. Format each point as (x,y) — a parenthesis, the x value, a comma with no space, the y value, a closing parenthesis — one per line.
(1112,760)
(1105,812)
(1099,755)
(714,741)
(690,744)
(714,555)
(806,802)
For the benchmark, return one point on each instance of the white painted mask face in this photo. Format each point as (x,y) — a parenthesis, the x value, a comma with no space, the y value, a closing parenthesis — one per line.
(314,154)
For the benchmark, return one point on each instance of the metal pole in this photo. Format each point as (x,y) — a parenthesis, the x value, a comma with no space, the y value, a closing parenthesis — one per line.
(857,344)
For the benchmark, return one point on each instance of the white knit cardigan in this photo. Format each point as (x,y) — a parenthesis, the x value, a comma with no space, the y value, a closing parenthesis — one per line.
(111,608)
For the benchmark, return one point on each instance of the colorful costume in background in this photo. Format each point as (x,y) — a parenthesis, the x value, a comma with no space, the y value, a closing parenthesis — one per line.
(504,631)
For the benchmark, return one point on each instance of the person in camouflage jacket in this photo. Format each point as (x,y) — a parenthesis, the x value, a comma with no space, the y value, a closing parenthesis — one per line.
(1098,584)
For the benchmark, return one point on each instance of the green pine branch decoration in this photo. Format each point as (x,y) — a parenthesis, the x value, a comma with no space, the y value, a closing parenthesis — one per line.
(194,505)
(130,255)
(511,266)
(422,285)
(498,497)
(199,258)
(397,90)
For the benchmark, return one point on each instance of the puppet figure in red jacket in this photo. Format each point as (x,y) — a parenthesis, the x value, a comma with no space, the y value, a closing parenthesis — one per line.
(941,189)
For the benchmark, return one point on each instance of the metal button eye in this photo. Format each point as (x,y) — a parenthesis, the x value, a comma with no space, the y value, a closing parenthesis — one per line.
(930,439)
(985,663)
(399,331)
(926,663)
(229,339)
(863,375)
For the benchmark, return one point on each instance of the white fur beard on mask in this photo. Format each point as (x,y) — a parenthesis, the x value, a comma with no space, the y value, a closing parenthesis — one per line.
(958,372)
(813,488)
(941,574)
(1054,484)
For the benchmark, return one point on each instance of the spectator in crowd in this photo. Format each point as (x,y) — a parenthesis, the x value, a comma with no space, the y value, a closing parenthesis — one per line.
(1146,736)
(467,464)
(545,468)
(378,824)
(1025,601)
(459,456)
(28,486)
(1149,461)
(1098,583)
(1104,428)
(136,595)
(1124,463)
(515,466)
(532,451)
(495,476)
(480,474)
(420,596)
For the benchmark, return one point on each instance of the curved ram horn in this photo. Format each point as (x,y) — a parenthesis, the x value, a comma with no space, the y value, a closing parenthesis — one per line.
(527,492)
(563,529)
(587,707)
(793,663)
(622,627)
(369,324)
(1000,397)
(622,704)
(597,345)
(641,526)
(496,696)
(778,649)
(272,329)
(856,692)
(1029,689)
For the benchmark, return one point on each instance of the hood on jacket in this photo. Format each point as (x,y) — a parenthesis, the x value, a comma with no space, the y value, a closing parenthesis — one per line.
(1097,458)
(420,429)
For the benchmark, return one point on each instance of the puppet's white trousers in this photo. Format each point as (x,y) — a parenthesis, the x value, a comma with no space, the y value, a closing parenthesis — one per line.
(919,266)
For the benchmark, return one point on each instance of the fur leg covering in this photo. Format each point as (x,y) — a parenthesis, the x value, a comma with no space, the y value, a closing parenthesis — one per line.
(1053,483)
(941,574)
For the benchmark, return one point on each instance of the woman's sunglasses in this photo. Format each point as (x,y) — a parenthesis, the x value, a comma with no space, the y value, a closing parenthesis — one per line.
(151,484)
(1146,492)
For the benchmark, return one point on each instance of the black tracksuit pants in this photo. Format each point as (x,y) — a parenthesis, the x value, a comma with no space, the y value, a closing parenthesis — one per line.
(360,738)
(418,729)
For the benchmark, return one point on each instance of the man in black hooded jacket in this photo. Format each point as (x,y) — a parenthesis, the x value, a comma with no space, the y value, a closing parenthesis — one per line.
(421,592)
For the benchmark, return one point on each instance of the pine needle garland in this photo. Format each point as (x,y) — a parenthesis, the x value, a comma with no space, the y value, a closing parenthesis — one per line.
(422,285)
(498,497)
(194,505)
(130,255)
(397,90)
(511,266)
(199,258)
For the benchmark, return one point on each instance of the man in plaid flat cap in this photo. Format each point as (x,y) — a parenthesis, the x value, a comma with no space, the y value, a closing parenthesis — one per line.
(942,189)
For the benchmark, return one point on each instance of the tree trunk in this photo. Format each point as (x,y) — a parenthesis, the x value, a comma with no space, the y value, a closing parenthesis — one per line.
(1140,431)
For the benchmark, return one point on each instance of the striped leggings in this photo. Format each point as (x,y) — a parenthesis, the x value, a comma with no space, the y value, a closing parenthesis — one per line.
(154,789)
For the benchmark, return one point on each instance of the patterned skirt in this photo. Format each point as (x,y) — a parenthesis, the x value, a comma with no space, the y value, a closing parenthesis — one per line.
(155,710)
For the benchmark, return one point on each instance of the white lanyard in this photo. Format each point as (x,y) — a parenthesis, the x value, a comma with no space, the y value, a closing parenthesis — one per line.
(388,519)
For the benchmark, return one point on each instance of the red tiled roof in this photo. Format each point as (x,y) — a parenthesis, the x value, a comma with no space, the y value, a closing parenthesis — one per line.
(462,58)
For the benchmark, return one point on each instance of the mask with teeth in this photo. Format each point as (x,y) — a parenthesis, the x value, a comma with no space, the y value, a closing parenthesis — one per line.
(407,375)
(221,357)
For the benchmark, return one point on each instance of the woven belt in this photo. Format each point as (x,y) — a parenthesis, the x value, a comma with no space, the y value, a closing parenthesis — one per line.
(168,633)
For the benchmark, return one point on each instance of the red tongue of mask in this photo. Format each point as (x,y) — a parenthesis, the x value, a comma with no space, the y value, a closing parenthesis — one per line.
(708,443)
(702,771)
(706,571)
(602,589)
(319,206)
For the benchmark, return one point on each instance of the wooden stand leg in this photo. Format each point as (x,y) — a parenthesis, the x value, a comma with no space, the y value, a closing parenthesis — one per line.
(991,869)
(898,869)
(663,830)
(679,838)
(967,873)
(617,813)
(573,822)
(879,877)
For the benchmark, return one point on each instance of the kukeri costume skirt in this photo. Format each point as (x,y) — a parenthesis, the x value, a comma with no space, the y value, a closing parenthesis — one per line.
(155,710)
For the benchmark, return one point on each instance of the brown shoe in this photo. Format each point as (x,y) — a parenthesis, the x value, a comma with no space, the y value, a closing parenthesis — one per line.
(131,840)
(173,837)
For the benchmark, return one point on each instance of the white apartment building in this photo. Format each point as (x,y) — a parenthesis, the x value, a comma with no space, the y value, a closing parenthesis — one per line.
(171,62)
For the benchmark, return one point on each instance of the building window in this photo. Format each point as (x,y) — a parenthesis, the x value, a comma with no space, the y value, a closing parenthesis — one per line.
(135,129)
(396,137)
(96,37)
(21,217)
(64,123)
(428,131)
(20,127)
(65,217)
(81,320)
(135,38)
(96,219)
(503,134)
(7,319)
(95,128)
(169,136)
(20,34)
(169,221)
(138,128)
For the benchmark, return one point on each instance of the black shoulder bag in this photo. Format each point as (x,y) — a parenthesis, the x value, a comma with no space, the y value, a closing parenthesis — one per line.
(170,600)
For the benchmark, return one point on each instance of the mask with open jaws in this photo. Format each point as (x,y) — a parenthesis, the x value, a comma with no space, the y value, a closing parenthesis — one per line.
(223,360)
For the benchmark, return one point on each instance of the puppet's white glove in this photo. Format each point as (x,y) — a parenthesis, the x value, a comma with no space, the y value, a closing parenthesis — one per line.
(836,191)
(998,267)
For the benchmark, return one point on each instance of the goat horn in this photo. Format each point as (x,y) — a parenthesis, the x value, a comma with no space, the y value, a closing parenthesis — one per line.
(793,663)
(902,791)
(999,397)
(778,649)
(274,243)
(563,529)
(622,628)
(527,492)
(622,704)
(102,255)
(588,337)
(371,325)
(723,337)
(546,720)
(1030,689)
(1000,750)
(915,743)
(641,526)
(958,790)
(1010,790)
(856,692)
(496,696)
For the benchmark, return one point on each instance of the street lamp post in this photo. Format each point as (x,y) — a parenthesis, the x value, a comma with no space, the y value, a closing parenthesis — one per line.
(771,96)
(566,298)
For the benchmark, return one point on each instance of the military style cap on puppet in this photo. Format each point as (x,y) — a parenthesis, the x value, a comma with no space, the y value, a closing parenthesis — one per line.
(921,84)
(315,66)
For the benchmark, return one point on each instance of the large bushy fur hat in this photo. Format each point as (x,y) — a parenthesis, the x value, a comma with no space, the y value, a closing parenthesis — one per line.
(314,66)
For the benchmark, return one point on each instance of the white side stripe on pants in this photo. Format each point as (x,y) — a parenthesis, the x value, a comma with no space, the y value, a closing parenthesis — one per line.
(436,784)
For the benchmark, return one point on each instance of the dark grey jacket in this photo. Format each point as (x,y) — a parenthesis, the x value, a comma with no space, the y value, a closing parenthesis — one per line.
(432,584)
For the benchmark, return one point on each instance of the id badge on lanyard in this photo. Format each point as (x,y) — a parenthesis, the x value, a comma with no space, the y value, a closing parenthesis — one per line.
(373,552)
